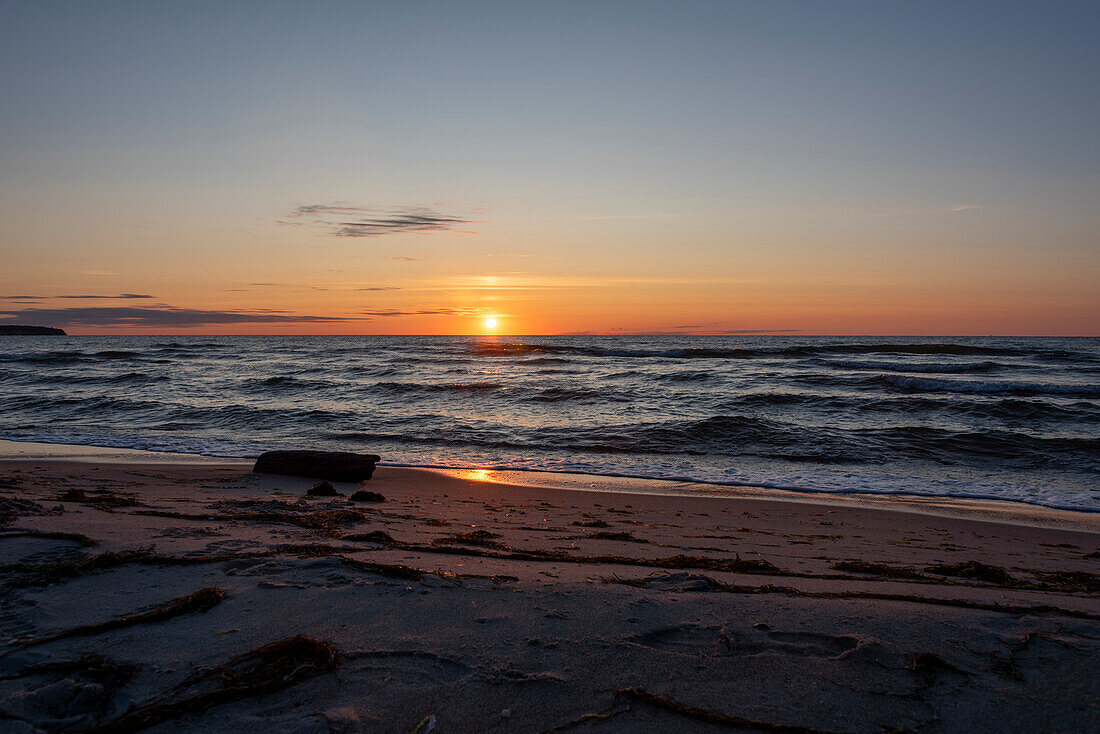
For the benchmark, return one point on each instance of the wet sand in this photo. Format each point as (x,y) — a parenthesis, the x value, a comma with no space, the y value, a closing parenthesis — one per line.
(149,595)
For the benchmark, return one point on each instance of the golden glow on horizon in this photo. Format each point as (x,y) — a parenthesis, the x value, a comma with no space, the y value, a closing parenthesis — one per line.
(490,323)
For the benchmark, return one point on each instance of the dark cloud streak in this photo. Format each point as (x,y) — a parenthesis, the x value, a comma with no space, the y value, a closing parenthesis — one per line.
(353,221)
(120,296)
(158,316)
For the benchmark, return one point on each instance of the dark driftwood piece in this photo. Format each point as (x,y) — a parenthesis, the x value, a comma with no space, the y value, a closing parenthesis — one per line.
(335,466)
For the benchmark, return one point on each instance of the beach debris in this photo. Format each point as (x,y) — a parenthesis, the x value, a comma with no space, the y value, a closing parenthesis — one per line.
(717,586)
(876,569)
(11,508)
(591,523)
(974,570)
(100,499)
(199,601)
(74,692)
(676,582)
(426,725)
(83,540)
(337,466)
(364,495)
(1071,581)
(324,520)
(374,536)
(625,536)
(106,671)
(931,665)
(626,698)
(483,538)
(667,703)
(43,574)
(390,570)
(263,670)
(322,489)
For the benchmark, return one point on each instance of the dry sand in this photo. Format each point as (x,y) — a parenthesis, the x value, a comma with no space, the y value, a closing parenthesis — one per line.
(504,608)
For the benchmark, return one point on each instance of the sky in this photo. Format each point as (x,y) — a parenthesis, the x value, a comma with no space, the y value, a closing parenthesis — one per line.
(568,167)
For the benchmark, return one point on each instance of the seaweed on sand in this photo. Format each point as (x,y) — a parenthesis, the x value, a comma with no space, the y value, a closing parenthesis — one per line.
(876,569)
(667,703)
(98,680)
(626,698)
(323,520)
(83,540)
(103,671)
(624,536)
(459,545)
(678,582)
(1071,581)
(974,570)
(264,670)
(103,500)
(43,574)
(199,601)
(483,538)
(374,536)
(12,507)
(930,665)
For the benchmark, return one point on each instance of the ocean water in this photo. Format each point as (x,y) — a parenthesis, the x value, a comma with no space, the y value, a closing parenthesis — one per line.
(1015,419)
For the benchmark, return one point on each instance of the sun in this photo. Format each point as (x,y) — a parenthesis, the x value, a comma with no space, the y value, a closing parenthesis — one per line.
(490,323)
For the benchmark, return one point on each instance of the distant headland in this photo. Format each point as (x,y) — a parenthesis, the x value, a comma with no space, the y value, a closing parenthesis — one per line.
(31,331)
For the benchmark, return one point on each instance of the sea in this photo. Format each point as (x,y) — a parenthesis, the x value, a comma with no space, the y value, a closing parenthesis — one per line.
(1001,418)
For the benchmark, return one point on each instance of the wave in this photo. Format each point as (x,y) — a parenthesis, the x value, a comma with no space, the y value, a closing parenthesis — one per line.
(45,357)
(512,349)
(974,387)
(422,387)
(922,367)
(744,436)
(705,407)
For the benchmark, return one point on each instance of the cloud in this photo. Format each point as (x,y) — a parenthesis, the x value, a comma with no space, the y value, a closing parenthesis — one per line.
(157,316)
(918,212)
(380,288)
(642,217)
(474,311)
(124,296)
(355,221)
(410,259)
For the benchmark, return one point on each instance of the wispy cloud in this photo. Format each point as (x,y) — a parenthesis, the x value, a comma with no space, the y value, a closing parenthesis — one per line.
(157,316)
(379,288)
(624,217)
(917,212)
(410,259)
(355,221)
(472,311)
(123,296)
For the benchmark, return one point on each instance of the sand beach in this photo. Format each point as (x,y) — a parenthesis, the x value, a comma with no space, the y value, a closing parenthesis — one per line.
(162,593)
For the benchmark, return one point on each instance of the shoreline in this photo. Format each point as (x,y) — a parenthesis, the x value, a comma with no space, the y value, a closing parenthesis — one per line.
(980,509)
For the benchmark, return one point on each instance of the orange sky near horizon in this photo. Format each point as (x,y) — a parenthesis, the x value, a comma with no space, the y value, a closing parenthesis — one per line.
(796,168)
